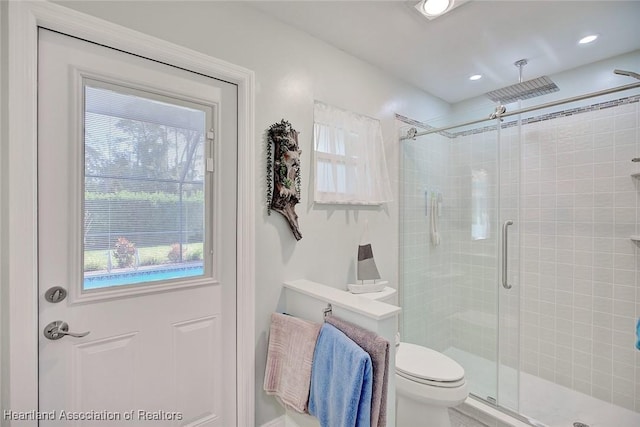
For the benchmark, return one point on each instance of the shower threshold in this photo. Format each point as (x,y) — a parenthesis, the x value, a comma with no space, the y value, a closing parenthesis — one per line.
(512,418)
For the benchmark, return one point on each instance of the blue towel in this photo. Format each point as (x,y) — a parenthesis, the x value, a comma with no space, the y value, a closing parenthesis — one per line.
(638,334)
(341,381)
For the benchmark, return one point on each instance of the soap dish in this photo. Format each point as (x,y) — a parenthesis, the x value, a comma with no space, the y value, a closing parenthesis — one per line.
(367,287)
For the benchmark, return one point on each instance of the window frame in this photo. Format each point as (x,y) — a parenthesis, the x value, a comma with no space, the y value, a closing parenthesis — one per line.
(78,294)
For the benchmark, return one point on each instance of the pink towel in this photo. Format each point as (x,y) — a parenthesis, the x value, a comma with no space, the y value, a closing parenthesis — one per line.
(289,359)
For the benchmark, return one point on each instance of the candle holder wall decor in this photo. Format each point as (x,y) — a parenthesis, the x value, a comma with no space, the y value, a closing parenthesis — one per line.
(283,173)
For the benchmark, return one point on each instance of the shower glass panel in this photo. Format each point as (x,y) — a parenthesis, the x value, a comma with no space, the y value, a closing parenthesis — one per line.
(451,252)
(509,322)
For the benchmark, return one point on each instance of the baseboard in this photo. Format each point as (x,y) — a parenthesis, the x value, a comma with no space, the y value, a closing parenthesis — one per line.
(276,422)
(293,419)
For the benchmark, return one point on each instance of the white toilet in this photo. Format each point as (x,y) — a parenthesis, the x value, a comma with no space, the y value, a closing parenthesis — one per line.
(428,383)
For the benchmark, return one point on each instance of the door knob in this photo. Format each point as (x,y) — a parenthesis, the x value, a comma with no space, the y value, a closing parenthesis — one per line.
(58,329)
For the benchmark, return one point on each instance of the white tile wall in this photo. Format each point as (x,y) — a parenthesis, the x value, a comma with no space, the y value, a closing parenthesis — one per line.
(579,281)
(571,319)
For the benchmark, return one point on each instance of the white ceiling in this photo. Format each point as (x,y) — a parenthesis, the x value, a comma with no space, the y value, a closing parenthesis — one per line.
(484,37)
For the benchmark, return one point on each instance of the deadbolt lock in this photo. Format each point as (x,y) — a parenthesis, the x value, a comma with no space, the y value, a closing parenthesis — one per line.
(55,294)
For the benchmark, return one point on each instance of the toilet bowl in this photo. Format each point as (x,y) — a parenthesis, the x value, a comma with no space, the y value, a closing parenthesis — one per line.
(428,383)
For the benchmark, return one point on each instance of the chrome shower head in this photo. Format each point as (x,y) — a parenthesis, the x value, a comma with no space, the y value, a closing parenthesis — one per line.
(523,90)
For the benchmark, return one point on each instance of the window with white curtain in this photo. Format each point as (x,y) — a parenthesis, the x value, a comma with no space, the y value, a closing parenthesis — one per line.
(350,165)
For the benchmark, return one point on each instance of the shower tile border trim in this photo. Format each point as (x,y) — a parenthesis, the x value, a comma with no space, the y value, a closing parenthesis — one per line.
(535,119)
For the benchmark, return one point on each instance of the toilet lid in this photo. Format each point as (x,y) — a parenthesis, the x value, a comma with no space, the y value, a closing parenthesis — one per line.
(423,363)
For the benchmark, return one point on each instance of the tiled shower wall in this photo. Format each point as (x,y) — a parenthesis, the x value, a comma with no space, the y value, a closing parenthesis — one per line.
(576,300)
(579,270)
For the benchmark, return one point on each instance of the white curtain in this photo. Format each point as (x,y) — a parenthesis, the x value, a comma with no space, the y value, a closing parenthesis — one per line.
(350,165)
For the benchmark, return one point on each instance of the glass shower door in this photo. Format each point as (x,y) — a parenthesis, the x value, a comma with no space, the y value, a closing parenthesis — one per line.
(509,311)
(451,250)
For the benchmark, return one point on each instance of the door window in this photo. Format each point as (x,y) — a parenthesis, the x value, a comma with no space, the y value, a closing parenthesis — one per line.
(145,186)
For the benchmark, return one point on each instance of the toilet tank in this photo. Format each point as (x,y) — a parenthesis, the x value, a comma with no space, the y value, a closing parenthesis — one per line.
(387,295)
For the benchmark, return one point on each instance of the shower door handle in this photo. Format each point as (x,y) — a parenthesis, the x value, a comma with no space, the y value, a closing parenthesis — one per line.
(505,249)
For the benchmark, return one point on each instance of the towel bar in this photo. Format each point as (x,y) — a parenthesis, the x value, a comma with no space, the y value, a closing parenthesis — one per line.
(327,311)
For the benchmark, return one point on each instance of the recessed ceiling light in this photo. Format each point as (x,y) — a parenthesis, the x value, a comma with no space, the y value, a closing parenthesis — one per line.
(588,39)
(434,8)
(475,77)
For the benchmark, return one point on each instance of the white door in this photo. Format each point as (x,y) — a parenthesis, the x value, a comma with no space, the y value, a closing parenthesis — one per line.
(137,212)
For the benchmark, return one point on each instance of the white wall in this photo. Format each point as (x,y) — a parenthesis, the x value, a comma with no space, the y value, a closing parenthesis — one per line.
(292,69)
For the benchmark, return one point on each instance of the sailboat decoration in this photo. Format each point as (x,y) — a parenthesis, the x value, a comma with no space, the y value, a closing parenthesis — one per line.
(367,270)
